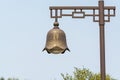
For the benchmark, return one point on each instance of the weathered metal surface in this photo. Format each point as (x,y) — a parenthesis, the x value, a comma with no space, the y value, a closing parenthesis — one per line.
(56,41)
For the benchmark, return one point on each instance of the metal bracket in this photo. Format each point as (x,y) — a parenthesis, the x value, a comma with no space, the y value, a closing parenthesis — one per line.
(81,12)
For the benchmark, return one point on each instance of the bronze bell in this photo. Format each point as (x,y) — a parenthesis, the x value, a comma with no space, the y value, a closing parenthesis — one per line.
(56,41)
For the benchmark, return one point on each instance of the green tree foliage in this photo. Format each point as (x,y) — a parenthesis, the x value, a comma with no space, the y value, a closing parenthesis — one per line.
(2,78)
(8,78)
(84,74)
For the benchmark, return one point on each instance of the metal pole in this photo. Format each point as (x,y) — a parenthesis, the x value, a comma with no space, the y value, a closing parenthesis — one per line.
(102,40)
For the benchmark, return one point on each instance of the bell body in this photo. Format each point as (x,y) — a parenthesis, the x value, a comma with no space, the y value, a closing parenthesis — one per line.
(56,41)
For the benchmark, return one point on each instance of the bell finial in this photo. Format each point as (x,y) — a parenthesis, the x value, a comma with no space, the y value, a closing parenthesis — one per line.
(56,24)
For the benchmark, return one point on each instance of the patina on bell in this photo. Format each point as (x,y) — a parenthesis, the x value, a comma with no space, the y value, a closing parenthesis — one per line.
(56,41)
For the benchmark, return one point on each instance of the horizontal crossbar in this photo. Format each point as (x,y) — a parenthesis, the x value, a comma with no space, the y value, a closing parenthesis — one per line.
(80,7)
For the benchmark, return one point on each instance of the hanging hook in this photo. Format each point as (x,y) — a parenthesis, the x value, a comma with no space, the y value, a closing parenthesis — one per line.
(56,24)
(56,15)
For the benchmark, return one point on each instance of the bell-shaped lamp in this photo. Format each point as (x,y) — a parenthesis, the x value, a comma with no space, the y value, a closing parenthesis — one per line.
(56,41)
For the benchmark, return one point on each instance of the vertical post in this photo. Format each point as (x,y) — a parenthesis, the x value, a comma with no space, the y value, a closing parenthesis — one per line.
(102,40)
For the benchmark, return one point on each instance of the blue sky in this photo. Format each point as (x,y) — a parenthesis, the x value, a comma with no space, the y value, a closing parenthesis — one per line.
(23,28)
